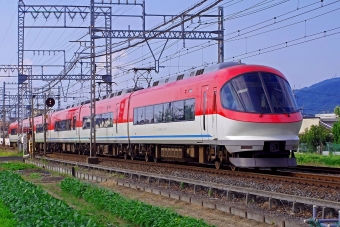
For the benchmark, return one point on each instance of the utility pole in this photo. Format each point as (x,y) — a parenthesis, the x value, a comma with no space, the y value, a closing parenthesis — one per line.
(93,85)
(33,137)
(220,35)
(45,126)
(3,115)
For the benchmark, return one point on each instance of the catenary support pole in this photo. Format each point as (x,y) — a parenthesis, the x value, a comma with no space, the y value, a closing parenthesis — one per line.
(3,115)
(45,126)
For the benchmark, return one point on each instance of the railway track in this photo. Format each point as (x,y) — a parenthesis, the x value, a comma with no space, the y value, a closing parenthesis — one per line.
(311,179)
(147,177)
(317,169)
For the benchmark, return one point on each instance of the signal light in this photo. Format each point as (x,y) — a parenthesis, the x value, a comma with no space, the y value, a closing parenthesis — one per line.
(50,102)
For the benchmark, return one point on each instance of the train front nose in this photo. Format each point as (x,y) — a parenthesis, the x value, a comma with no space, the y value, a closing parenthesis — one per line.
(262,120)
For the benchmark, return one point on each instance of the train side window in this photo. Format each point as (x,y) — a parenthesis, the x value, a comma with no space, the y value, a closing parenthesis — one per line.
(135,116)
(86,122)
(149,118)
(178,110)
(62,125)
(158,113)
(99,120)
(13,131)
(56,126)
(168,112)
(108,119)
(39,128)
(74,122)
(189,109)
(141,115)
(111,119)
(68,125)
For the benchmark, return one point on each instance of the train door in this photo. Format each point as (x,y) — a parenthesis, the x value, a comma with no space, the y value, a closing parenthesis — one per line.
(214,115)
(204,107)
(74,124)
(116,122)
(79,124)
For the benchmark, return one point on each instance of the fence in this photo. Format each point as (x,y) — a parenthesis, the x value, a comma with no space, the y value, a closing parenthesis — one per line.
(329,148)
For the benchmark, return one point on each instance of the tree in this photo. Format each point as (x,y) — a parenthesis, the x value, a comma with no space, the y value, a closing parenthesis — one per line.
(336,132)
(337,111)
(336,126)
(316,136)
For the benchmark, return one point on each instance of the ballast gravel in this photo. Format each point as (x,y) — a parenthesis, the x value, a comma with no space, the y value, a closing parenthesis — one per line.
(259,184)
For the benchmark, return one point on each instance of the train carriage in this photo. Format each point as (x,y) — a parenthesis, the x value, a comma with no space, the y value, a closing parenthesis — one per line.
(229,112)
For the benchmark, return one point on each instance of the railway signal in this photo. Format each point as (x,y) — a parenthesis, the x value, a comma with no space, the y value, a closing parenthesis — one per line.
(50,102)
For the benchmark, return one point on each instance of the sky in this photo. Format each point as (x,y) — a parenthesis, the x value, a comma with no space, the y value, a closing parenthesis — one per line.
(298,37)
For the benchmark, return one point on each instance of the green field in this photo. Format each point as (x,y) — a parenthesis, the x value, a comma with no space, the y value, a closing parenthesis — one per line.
(7,218)
(313,159)
(6,153)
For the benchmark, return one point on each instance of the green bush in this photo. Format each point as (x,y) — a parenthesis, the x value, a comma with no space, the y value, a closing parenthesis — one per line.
(134,211)
(33,206)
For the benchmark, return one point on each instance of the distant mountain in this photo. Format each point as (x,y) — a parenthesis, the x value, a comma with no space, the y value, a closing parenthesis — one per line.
(321,97)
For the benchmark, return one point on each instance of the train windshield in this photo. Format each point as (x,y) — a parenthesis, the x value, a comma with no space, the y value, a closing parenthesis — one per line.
(258,92)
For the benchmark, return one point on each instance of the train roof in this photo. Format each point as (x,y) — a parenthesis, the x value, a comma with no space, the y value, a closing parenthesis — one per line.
(194,72)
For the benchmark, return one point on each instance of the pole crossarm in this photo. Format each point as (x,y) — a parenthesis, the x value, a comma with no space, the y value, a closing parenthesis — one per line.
(140,34)
(8,106)
(104,78)
(12,68)
(62,10)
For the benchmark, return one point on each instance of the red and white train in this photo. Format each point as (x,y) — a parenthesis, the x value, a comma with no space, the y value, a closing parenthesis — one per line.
(229,112)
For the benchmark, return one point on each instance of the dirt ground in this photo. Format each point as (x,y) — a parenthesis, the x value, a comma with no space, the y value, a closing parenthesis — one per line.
(213,217)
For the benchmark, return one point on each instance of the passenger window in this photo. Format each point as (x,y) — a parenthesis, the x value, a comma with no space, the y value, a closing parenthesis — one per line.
(178,110)
(141,115)
(167,112)
(135,116)
(56,126)
(99,121)
(109,120)
(86,122)
(149,115)
(158,113)
(189,109)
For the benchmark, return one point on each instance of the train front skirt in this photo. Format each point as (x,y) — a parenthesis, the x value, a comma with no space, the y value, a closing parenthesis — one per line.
(263,162)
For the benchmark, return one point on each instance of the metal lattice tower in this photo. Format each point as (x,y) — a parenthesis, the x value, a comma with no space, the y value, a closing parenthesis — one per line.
(22,88)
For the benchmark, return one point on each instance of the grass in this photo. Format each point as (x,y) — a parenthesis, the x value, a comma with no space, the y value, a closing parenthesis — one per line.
(118,175)
(318,159)
(7,218)
(6,153)
(35,175)
(16,166)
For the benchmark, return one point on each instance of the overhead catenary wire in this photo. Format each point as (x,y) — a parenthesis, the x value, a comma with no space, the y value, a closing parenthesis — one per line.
(70,66)
(203,46)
